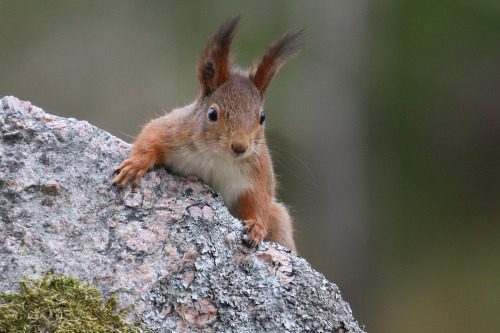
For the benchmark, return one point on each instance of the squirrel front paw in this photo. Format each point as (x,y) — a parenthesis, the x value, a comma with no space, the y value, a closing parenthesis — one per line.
(128,169)
(255,232)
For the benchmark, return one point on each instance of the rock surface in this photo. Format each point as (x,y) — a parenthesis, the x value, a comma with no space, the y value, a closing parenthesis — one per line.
(169,247)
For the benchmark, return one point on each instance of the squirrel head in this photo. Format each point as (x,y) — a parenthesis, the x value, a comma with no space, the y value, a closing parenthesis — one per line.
(230,102)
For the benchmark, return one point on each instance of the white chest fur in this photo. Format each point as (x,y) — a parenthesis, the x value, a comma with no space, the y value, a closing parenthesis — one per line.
(226,175)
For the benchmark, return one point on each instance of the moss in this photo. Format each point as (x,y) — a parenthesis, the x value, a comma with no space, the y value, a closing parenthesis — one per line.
(61,304)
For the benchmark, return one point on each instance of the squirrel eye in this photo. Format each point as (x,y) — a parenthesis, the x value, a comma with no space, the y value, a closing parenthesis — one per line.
(262,118)
(212,114)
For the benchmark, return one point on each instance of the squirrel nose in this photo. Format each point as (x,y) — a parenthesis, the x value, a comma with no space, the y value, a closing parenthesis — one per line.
(239,148)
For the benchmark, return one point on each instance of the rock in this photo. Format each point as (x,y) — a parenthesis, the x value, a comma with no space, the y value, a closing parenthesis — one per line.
(169,247)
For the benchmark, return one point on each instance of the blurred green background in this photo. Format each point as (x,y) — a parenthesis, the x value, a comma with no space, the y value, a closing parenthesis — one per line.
(385,130)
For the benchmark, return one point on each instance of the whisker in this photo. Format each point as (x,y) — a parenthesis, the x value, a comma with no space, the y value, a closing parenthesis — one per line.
(127,135)
(205,149)
(287,156)
(283,164)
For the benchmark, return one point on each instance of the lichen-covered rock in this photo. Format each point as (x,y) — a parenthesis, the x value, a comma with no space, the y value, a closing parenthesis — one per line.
(169,247)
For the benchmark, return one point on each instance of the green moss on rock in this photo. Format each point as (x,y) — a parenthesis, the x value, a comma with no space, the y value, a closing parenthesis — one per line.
(61,304)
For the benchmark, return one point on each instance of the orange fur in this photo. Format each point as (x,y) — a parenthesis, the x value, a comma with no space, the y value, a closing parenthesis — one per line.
(214,67)
(254,205)
(229,151)
(280,51)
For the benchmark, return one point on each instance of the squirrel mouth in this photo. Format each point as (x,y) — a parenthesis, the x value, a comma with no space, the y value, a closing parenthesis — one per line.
(240,156)
(236,155)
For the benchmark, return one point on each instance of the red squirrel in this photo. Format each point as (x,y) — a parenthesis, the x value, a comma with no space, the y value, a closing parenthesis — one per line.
(220,137)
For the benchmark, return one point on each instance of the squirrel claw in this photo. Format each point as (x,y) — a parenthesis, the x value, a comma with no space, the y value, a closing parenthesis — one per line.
(128,170)
(131,168)
(252,242)
(255,232)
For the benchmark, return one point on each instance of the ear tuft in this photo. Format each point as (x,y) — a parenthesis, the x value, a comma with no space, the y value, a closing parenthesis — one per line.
(214,67)
(280,51)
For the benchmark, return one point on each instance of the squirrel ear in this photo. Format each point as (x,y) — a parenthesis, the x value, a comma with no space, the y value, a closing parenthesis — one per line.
(214,66)
(280,51)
